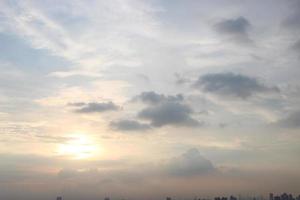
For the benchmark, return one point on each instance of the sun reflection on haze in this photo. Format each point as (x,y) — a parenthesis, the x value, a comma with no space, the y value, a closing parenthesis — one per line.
(79,147)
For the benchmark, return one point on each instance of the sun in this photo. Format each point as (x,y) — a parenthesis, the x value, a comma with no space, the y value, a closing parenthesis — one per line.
(80,146)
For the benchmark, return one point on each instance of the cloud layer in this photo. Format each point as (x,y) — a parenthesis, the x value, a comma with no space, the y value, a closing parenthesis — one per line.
(176,97)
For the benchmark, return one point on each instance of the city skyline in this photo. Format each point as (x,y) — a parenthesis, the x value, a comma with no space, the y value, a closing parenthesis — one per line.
(283,196)
(145,99)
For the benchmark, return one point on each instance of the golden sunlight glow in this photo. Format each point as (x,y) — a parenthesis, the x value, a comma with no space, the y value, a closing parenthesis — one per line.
(79,147)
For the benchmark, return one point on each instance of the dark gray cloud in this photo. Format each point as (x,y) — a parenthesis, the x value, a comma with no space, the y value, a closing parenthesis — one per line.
(169,113)
(151,97)
(237,29)
(291,121)
(94,107)
(164,110)
(191,163)
(233,85)
(129,125)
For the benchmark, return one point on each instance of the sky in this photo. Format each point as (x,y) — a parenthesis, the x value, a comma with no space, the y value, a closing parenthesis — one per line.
(136,99)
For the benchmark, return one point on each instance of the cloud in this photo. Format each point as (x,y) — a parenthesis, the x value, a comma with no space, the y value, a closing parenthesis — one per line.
(129,125)
(233,85)
(76,35)
(169,113)
(236,29)
(94,107)
(53,139)
(77,104)
(180,80)
(292,24)
(144,77)
(293,20)
(296,46)
(190,163)
(154,98)
(164,110)
(291,121)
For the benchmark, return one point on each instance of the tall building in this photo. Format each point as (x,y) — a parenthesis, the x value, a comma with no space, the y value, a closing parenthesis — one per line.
(106,198)
(290,197)
(232,198)
(284,196)
(271,196)
(59,198)
(277,198)
(168,198)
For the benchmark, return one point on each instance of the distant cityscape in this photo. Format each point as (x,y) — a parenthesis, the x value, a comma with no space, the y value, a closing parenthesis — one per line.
(283,196)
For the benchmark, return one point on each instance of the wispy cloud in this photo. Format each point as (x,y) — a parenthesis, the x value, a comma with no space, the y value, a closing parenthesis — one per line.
(94,107)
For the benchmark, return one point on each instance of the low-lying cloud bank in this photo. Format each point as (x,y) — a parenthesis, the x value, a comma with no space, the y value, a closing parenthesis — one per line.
(187,174)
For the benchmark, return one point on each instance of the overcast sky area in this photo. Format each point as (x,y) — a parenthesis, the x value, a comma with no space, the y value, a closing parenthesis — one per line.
(141,99)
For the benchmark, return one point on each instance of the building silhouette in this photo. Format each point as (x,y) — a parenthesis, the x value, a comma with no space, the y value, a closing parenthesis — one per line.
(283,196)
